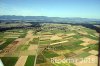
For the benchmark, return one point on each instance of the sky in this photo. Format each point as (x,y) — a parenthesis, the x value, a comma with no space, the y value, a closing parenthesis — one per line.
(51,8)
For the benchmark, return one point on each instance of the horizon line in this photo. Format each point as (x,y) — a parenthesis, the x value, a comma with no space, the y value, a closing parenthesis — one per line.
(50,16)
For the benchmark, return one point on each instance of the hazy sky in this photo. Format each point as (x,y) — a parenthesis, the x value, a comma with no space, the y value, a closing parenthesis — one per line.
(51,8)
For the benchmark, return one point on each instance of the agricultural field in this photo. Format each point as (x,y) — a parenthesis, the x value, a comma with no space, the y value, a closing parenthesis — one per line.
(50,46)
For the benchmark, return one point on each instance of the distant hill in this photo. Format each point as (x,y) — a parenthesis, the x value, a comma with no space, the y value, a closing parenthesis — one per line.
(49,19)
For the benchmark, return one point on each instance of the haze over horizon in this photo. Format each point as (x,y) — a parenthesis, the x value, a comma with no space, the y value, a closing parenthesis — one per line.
(51,8)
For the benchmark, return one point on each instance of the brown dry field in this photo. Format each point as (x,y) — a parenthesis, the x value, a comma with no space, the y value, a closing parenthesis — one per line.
(21,61)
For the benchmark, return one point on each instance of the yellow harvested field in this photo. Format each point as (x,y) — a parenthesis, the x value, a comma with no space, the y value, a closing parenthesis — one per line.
(92,61)
(33,47)
(94,52)
(85,44)
(84,48)
(45,37)
(61,52)
(58,42)
(83,32)
(55,37)
(19,39)
(1,42)
(88,40)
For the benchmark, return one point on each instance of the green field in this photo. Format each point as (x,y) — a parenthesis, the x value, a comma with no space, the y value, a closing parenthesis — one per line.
(92,47)
(9,61)
(8,41)
(77,36)
(44,42)
(40,59)
(30,61)
(83,54)
(49,54)
(78,42)
(73,47)
(91,37)
(22,47)
(35,41)
(61,47)
(71,54)
(54,41)
(23,35)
